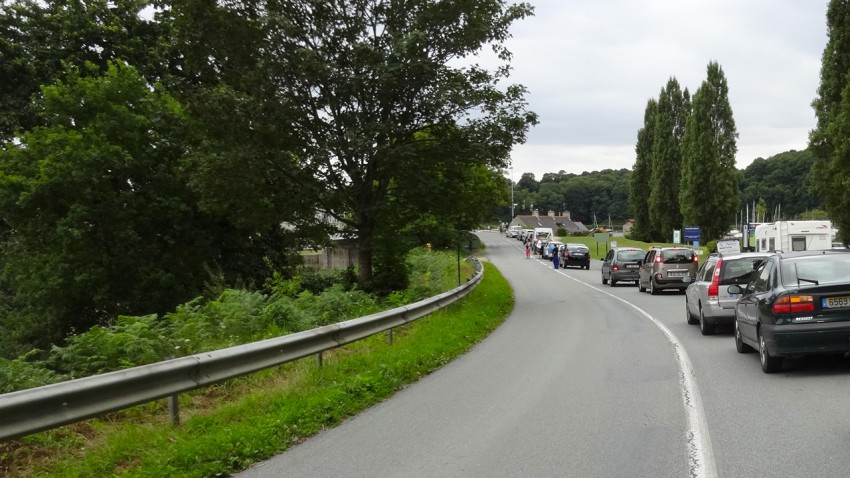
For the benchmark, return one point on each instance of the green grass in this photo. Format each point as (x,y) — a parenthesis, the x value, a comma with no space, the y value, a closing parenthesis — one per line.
(600,251)
(235,424)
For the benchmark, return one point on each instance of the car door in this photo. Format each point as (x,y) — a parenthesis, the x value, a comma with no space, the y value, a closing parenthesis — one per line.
(646,268)
(747,309)
(606,264)
(694,292)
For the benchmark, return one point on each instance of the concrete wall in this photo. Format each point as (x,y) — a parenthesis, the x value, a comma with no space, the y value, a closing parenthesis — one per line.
(332,258)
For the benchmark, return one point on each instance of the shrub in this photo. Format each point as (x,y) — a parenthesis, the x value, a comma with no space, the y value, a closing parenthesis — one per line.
(132,341)
(20,374)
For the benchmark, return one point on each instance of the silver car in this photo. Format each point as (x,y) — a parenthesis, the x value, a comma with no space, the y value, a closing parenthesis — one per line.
(667,268)
(707,300)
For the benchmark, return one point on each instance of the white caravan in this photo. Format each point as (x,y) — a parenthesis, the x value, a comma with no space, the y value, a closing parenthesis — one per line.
(787,236)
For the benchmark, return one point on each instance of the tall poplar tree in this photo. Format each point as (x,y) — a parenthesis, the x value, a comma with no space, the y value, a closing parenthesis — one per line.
(639,186)
(673,108)
(708,190)
(830,140)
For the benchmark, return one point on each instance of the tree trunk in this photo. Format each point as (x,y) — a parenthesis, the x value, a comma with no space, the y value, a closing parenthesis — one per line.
(364,257)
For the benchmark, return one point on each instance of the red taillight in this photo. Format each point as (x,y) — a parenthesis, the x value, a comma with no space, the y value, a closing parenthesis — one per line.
(696,259)
(658,259)
(791,304)
(715,280)
(615,268)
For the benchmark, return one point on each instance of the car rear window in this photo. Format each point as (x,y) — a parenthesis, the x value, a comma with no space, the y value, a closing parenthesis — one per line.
(634,255)
(825,269)
(739,271)
(677,256)
(578,249)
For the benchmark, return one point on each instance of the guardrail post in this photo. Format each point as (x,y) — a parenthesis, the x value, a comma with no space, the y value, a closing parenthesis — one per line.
(174,410)
(319,360)
(390,336)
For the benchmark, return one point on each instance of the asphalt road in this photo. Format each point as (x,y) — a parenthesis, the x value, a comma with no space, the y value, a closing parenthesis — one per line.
(589,380)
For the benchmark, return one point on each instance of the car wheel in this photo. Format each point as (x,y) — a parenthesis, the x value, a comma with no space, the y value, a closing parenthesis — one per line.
(613,282)
(652,289)
(705,327)
(688,315)
(604,280)
(740,346)
(769,364)
(641,288)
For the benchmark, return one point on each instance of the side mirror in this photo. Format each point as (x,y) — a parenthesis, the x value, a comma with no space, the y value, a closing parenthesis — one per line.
(735,289)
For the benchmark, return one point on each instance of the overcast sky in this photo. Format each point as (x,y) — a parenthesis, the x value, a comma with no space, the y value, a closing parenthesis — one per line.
(591,65)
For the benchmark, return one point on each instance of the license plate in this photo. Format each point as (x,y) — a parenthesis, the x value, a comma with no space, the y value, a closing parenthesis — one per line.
(835,302)
(677,274)
(631,266)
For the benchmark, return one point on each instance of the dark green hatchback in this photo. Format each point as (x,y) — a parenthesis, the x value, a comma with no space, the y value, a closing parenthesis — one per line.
(796,304)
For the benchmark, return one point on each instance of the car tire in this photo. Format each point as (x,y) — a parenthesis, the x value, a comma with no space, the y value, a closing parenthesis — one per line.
(613,282)
(704,326)
(769,363)
(740,346)
(604,280)
(641,288)
(652,289)
(689,316)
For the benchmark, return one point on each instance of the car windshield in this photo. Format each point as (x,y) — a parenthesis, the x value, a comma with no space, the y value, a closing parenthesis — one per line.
(634,255)
(825,269)
(738,271)
(677,256)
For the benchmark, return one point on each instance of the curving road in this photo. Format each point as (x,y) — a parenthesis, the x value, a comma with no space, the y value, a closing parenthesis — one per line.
(592,380)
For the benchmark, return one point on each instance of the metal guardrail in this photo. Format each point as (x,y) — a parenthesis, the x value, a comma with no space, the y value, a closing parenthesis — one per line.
(29,411)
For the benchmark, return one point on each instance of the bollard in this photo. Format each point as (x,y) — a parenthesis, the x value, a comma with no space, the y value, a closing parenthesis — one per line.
(390,336)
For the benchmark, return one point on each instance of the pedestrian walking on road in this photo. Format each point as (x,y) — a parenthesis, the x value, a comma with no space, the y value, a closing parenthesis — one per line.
(527,251)
(556,258)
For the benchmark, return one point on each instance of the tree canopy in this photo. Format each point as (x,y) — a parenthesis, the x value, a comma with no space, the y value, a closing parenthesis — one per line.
(369,91)
(671,114)
(830,140)
(639,186)
(150,148)
(708,194)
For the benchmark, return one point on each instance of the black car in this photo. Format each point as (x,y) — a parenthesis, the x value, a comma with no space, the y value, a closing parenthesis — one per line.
(796,303)
(576,255)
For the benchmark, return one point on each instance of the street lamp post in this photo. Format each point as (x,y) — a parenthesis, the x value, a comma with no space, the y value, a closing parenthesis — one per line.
(512,194)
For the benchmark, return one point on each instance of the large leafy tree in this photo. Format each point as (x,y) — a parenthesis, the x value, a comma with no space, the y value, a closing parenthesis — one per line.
(672,110)
(528,183)
(40,41)
(708,189)
(353,86)
(99,222)
(640,184)
(784,181)
(830,140)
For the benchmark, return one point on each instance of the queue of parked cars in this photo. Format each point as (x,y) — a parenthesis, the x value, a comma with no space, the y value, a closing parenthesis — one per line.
(779,304)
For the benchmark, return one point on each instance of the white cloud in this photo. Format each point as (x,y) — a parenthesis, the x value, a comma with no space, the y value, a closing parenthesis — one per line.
(591,66)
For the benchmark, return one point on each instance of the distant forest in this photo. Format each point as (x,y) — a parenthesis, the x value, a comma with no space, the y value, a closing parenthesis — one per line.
(780,184)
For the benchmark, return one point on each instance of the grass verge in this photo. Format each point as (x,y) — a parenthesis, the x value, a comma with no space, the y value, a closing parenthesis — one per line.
(233,425)
(598,250)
